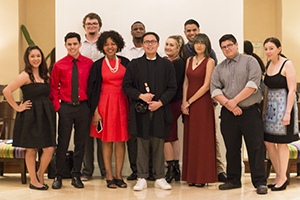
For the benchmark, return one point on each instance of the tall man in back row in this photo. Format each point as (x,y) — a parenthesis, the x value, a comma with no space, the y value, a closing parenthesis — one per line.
(191,29)
(69,96)
(92,24)
(235,85)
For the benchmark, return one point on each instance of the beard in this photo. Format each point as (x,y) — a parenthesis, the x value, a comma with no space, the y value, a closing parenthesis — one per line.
(92,33)
(138,38)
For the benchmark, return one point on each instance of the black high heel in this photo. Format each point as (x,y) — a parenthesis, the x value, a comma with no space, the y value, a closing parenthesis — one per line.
(271,185)
(283,187)
(200,185)
(171,172)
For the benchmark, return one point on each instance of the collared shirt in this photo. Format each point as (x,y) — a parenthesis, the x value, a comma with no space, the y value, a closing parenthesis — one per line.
(132,52)
(61,79)
(189,52)
(230,77)
(90,50)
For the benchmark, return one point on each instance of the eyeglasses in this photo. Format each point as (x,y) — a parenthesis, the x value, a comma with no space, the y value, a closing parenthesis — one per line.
(148,42)
(92,24)
(229,46)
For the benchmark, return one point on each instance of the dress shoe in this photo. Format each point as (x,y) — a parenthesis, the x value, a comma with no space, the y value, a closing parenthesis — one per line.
(85,178)
(140,184)
(132,177)
(271,185)
(222,177)
(76,182)
(262,189)
(57,183)
(162,184)
(37,188)
(200,185)
(228,186)
(37,178)
(283,187)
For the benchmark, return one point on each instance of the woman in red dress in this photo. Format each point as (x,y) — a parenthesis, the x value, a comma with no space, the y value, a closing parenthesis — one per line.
(109,104)
(199,148)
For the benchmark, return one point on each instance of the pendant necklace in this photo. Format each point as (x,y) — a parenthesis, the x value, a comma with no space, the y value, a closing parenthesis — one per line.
(113,70)
(198,61)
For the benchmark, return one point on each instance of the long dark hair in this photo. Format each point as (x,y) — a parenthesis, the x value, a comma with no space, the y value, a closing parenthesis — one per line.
(276,42)
(43,70)
(248,49)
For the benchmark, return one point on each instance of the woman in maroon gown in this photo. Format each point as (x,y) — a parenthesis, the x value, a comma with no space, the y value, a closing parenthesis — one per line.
(199,148)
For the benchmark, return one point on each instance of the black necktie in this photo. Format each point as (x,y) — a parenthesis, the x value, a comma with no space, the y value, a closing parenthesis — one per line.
(75,84)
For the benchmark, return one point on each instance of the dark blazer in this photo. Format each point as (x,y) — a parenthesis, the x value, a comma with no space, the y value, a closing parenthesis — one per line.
(95,80)
(165,88)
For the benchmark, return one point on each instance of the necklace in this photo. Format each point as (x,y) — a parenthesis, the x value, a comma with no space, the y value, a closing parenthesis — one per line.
(199,61)
(113,70)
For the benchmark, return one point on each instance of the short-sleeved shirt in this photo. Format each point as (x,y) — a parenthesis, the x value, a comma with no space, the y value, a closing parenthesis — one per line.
(230,77)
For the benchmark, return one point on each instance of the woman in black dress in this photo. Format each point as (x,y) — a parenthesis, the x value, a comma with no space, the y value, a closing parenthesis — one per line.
(174,51)
(280,110)
(35,121)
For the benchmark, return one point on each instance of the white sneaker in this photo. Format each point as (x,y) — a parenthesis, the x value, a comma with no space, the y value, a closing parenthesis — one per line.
(162,184)
(140,184)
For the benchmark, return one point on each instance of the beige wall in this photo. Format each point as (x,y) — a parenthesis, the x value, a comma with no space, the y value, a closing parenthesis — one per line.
(39,18)
(277,18)
(262,19)
(9,43)
(290,32)
(40,22)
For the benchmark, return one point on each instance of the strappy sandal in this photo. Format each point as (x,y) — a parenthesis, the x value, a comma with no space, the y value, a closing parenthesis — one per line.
(111,184)
(120,183)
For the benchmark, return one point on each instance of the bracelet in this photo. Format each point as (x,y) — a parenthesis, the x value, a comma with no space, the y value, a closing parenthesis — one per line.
(188,102)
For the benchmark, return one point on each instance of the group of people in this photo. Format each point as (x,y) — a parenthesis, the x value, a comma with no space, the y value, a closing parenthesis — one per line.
(134,95)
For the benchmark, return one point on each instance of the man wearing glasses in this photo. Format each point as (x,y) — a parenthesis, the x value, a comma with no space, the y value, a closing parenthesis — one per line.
(92,24)
(150,82)
(235,85)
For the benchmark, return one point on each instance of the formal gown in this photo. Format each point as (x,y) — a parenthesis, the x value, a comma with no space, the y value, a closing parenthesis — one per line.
(35,127)
(199,148)
(113,105)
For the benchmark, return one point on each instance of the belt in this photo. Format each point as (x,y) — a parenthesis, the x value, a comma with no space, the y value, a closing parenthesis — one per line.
(73,103)
(245,108)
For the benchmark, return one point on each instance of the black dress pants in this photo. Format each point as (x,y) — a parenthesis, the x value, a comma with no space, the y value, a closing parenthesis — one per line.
(78,116)
(249,125)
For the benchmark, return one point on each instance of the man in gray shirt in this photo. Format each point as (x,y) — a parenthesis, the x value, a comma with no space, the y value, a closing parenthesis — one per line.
(235,85)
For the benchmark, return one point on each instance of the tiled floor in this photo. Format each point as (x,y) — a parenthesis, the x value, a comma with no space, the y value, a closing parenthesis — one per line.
(11,188)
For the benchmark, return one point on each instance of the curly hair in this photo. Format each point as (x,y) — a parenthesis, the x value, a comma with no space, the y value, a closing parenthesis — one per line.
(115,36)
(43,69)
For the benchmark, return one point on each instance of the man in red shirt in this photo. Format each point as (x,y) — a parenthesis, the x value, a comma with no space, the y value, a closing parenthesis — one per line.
(69,96)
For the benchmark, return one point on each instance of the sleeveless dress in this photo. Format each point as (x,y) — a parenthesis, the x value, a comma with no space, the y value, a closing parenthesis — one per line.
(276,104)
(113,105)
(36,127)
(199,147)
